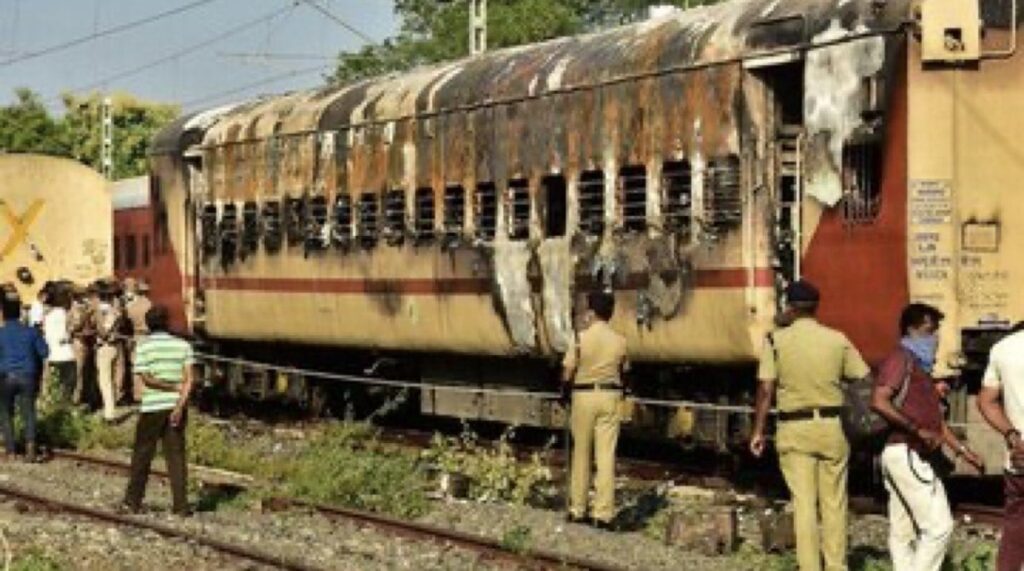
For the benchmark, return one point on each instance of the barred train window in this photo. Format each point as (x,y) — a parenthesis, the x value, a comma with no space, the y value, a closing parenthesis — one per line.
(117,253)
(315,223)
(454,212)
(208,229)
(295,220)
(369,220)
(862,182)
(424,215)
(591,203)
(633,197)
(677,196)
(555,206)
(130,252)
(341,230)
(272,226)
(485,210)
(145,251)
(228,233)
(518,209)
(394,217)
(723,199)
(250,227)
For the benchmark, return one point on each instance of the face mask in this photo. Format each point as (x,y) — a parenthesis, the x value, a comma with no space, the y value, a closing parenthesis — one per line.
(923,349)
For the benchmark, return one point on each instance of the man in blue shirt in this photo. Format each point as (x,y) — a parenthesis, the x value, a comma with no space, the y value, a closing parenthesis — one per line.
(22,353)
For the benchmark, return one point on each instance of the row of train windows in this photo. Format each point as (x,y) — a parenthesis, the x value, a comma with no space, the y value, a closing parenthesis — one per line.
(127,252)
(371,217)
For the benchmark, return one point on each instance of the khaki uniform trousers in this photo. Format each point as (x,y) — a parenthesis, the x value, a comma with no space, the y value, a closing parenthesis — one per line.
(106,355)
(595,433)
(814,458)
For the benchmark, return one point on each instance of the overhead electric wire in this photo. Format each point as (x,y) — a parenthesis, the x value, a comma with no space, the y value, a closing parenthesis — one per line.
(104,33)
(183,52)
(266,81)
(334,18)
(277,56)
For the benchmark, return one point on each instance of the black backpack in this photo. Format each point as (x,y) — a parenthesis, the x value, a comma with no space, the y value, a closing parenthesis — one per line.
(860,422)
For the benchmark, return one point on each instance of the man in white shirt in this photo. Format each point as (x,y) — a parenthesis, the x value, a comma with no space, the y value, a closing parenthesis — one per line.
(1001,401)
(62,366)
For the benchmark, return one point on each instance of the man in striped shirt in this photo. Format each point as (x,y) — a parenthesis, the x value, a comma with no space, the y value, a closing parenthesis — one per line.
(163,365)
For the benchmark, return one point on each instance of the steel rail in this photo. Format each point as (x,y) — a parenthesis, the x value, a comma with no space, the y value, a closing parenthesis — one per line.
(488,547)
(239,551)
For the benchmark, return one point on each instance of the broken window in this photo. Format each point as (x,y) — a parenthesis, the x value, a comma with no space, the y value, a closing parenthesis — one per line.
(454,213)
(862,182)
(130,252)
(250,240)
(208,230)
(555,206)
(723,197)
(518,209)
(369,224)
(295,220)
(228,233)
(394,217)
(424,218)
(633,197)
(677,196)
(341,230)
(591,203)
(316,237)
(486,210)
(272,237)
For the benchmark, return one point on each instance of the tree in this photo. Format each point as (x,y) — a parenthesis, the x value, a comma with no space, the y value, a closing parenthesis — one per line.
(27,127)
(432,31)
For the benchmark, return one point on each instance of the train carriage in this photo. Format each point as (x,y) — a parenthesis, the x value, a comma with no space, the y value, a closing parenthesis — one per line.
(694,163)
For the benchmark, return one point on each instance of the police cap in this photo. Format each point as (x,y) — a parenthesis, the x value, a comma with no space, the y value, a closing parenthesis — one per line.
(802,292)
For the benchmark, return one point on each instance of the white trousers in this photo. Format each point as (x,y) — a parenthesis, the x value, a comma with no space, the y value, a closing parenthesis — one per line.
(920,522)
(105,356)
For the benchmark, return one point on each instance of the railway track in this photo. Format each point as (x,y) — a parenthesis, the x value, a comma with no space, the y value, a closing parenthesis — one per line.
(487,547)
(238,551)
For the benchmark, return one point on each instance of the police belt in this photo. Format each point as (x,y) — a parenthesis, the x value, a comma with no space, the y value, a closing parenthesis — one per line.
(809,413)
(597,387)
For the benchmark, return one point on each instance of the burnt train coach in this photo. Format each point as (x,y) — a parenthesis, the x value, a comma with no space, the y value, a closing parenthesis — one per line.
(694,163)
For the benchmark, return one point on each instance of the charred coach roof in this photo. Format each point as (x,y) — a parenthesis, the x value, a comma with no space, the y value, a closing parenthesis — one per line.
(704,36)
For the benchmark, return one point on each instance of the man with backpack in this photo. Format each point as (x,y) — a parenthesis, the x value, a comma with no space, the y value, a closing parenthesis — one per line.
(805,362)
(905,395)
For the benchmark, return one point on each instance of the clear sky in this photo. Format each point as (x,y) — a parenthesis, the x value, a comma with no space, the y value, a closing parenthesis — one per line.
(298,35)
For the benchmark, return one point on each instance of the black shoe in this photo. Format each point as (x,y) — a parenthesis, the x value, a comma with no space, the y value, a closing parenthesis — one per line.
(572,518)
(604,525)
(182,513)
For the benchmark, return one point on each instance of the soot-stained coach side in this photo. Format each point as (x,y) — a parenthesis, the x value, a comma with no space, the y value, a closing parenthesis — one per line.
(694,163)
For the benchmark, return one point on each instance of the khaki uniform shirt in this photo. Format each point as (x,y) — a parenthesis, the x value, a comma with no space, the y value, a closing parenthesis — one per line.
(602,355)
(81,321)
(108,318)
(809,361)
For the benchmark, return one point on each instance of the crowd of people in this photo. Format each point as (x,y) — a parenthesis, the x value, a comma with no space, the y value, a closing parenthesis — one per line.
(98,348)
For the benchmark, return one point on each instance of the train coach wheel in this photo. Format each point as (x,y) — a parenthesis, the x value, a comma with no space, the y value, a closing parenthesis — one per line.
(316,400)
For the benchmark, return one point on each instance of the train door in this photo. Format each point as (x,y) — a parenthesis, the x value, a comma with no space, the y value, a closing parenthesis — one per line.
(783,84)
(195,298)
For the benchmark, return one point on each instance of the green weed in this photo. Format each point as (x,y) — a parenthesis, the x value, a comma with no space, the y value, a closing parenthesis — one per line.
(36,560)
(517,539)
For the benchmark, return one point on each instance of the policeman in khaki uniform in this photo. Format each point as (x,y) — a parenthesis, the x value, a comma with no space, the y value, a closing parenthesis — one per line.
(804,363)
(594,368)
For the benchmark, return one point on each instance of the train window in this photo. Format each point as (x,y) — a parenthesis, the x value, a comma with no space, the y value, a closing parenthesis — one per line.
(130,252)
(295,220)
(250,229)
(369,220)
(555,206)
(117,253)
(145,251)
(394,217)
(518,209)
(862,182)
(633,198)
(341,230)
(316,225)
(591,203)
(424,215)
(485,210)
(677,196)
(723,199)
(454,213)
(272,226)
(228,229)
(208,229)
